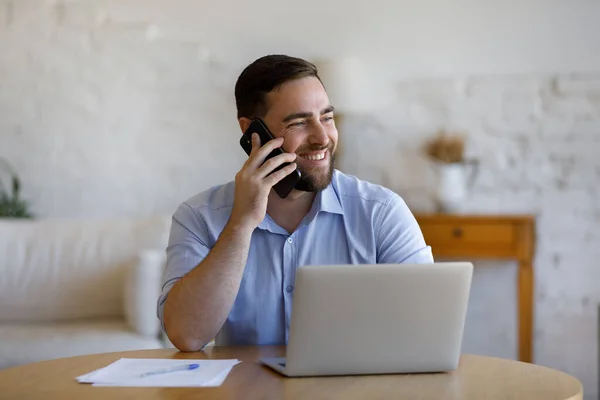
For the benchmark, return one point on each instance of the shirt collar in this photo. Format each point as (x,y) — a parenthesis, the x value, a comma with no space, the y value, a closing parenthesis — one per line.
(267,224)
(327,200)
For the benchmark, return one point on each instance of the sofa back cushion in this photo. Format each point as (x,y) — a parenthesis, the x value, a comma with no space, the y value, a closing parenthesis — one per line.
(63,269)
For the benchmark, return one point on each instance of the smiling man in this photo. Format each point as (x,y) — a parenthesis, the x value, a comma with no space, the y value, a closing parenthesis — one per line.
(234,249)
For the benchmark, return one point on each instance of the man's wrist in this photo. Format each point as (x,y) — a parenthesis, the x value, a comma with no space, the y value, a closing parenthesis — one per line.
(239,229)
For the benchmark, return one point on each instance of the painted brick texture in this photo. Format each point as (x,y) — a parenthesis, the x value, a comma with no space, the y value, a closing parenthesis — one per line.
(537,139)
(125,108)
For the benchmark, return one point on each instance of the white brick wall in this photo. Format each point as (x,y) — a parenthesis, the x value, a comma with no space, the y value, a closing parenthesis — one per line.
(114,108)
(538,140)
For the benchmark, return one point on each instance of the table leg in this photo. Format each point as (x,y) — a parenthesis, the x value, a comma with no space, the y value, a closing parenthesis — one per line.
(525,310)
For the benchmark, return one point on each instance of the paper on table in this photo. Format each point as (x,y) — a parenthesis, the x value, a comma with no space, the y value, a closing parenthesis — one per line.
(127,371)
(217,381)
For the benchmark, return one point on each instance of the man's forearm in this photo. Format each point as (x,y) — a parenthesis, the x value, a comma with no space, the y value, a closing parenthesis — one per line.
(199,303)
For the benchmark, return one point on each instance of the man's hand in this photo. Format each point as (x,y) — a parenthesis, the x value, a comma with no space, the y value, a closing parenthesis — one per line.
(253,182)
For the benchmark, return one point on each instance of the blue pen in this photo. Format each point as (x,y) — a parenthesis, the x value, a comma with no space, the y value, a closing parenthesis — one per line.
(186,367)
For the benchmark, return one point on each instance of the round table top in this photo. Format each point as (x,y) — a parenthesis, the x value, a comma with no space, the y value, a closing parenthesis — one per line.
(477,377)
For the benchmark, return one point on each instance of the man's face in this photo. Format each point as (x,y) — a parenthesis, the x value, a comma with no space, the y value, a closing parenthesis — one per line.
(299,111)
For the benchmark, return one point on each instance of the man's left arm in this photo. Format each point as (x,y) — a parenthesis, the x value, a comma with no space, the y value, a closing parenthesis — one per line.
(398,235)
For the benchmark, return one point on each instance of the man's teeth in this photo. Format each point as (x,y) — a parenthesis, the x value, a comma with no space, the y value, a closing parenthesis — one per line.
(315,157)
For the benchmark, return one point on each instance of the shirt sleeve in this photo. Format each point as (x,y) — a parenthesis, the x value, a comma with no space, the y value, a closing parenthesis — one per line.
(399,237)
(187,247)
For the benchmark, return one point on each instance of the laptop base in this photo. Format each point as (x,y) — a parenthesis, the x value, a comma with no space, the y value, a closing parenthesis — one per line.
(275,363)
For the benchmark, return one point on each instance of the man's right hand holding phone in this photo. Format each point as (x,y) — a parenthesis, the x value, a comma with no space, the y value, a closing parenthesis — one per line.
(215,281)
(254,181)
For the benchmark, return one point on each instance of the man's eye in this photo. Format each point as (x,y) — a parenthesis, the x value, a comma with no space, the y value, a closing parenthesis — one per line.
(297,123)
(328,119)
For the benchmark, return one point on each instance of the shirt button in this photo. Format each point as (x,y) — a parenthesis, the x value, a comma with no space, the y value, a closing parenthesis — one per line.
(290,240)
(289,289)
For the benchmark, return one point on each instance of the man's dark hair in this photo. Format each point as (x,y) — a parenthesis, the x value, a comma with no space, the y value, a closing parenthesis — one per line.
(264,75)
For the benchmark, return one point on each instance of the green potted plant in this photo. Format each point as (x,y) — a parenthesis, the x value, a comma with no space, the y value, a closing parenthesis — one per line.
(11,204)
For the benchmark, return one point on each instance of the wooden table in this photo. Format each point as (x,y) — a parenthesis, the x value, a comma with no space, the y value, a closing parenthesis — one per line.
(509,237)
(476,378)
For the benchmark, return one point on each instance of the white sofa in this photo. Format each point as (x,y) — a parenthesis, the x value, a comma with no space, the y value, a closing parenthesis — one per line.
(73,287)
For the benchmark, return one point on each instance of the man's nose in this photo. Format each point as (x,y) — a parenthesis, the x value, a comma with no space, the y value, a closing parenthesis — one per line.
(318,134)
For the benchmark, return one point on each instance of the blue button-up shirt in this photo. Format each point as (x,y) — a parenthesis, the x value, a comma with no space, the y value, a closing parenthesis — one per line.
(350,222)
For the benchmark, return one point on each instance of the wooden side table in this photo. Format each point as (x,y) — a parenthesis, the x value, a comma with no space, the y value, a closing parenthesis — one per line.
(493,237)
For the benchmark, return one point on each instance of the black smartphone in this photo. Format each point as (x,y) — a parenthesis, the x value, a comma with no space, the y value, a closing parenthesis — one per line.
(284,186)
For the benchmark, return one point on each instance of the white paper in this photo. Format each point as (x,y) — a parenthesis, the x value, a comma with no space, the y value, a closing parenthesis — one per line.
(127,371)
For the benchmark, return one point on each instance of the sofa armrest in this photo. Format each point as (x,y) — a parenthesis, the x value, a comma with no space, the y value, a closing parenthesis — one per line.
(142,289)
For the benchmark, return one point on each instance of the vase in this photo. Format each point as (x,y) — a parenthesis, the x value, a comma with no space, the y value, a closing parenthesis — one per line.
(455,181)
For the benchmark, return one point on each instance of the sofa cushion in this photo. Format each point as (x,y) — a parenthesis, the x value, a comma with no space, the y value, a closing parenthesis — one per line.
(27,342)
(67,269)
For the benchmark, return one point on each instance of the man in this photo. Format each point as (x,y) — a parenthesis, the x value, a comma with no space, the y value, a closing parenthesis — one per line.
(234,249)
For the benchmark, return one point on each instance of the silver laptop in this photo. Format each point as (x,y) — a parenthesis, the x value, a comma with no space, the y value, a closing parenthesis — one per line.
(376,319)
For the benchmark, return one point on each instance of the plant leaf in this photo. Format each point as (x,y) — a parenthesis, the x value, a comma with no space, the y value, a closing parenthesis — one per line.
(16,186)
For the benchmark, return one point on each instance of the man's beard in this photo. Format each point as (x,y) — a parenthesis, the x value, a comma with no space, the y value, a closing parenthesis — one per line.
(315,180)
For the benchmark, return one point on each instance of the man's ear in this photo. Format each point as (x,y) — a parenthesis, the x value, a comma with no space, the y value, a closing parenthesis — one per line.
(244,123)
